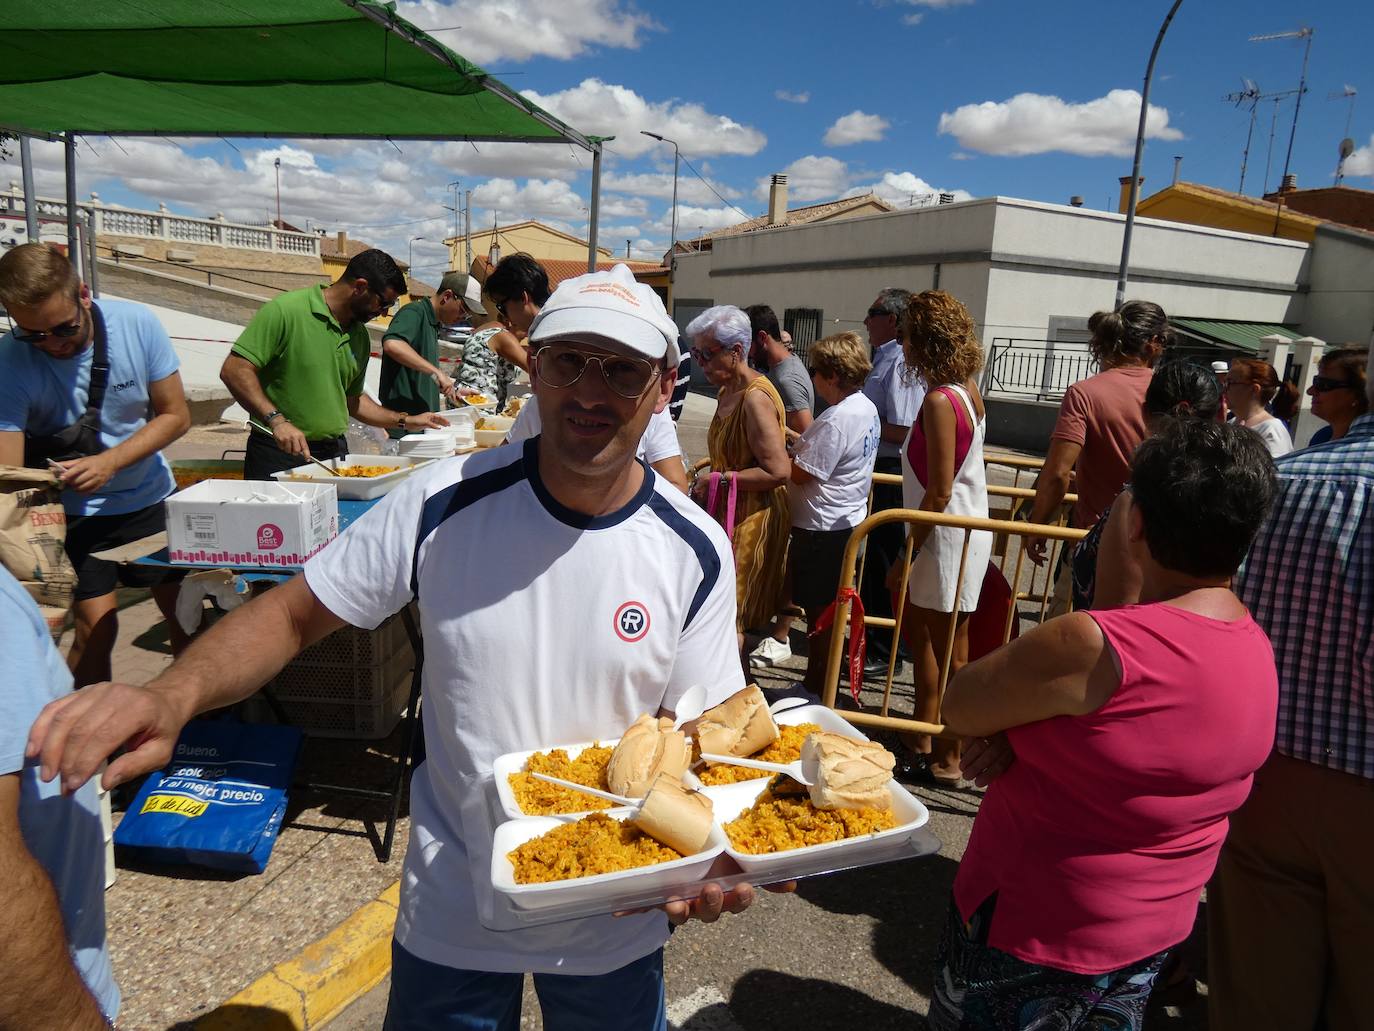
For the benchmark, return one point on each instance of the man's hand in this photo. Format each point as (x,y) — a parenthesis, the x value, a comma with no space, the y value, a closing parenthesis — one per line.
(87,475)
(289,439)
(986,758)
(1035,550)
(445,384)
(713,901)
(425,421)
(75,734)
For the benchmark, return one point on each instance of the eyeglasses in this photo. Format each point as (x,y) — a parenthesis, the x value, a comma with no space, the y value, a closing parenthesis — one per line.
(63,332)
(705,357)
(559,365)
(1321,384)
(877,313)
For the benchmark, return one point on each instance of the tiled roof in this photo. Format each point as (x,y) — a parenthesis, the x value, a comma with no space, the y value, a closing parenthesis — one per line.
(794,217)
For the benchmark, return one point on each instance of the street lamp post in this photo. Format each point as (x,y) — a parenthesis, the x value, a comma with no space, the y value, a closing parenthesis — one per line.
(1135,167)
(410,252)
(672,232)
(277,165)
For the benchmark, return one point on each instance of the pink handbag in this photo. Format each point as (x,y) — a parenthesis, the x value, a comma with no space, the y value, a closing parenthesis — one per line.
(712,490)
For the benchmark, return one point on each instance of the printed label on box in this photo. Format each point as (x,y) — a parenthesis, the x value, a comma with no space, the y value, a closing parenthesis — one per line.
(269,537)
(202,528)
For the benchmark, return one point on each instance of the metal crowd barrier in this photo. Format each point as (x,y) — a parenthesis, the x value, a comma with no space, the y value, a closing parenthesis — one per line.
(1059,536)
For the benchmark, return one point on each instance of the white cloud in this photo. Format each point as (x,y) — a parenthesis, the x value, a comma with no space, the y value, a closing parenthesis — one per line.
(517,30)
(693,220)
(905,189)
(913,19)
(792,98)
(811,178)
(605,109)
(542,160)
(856,127)
(960,155)
(1361,161)
(938,4)
(1033,123)
(660,185)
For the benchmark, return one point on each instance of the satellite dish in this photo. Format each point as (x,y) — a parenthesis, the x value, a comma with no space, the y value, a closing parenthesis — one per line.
(1347,147)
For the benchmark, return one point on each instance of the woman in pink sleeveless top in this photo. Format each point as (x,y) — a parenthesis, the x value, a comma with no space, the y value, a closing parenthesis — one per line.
(1117,744)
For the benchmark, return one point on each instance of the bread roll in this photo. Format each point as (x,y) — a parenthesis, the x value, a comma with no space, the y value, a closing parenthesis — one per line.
(741,725)
(845,773)
(647,748)
(675,815)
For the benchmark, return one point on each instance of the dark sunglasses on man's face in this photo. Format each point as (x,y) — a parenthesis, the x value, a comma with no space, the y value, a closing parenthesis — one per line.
(1321,384)
(63,332)
(560,366)
(877,313)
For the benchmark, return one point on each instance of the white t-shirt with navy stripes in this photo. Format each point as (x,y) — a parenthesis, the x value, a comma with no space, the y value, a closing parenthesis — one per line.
(541,627)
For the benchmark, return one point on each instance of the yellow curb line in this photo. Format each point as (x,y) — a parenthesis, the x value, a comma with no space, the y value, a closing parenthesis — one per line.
(304,993)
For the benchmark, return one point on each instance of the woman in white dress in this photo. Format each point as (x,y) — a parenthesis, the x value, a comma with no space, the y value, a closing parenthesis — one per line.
(942,471)
(1250,385)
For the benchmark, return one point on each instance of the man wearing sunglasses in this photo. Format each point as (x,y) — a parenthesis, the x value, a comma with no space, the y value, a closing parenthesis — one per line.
(563,590)
(298,367)
(91,391)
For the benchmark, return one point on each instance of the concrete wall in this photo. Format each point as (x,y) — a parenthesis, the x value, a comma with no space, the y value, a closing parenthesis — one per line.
(218,257)
(1341,287)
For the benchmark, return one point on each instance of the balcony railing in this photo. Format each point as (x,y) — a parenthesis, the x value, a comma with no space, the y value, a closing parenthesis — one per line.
(163,225)
(1038,370)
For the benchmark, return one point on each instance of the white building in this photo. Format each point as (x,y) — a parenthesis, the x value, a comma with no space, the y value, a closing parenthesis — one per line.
(1031,274)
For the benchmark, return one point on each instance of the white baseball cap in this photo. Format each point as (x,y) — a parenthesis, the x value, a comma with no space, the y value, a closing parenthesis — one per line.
(609,307)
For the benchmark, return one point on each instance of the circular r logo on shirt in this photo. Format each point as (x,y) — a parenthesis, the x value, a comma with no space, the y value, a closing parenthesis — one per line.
(631,621)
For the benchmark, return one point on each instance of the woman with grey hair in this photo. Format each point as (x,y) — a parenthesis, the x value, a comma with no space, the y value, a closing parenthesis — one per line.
(749,463)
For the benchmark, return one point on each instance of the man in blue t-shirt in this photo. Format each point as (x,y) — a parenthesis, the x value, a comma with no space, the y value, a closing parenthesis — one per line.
(107,456)
(52,894)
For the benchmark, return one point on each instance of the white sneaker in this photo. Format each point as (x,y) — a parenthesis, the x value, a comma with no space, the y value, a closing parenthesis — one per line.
(770,652)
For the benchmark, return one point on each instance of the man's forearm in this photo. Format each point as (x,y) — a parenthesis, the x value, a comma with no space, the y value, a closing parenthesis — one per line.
(151,438)
(402,353)
(1049,494)
(364,409)
(242,381)
(894,433)
(41,990)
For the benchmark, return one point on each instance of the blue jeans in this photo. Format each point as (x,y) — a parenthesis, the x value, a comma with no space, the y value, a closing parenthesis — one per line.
(431,997)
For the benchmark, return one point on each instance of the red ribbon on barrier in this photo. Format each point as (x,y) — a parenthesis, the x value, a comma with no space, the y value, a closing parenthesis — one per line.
(858,644)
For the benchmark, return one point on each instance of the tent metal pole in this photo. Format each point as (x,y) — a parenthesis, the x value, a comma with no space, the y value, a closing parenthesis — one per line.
(595,208)
(73,238)
(30,198)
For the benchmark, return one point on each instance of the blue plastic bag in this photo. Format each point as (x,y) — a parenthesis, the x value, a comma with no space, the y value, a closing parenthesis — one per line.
(220,801)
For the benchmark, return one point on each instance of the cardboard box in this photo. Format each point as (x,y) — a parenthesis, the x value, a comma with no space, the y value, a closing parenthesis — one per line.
(250,523)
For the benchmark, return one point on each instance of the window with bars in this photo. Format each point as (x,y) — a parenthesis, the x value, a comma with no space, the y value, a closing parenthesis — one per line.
(804,325)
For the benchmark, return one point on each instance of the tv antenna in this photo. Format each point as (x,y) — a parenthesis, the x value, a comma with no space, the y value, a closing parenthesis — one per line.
(1251,94)
(1306,32)
(1347,144)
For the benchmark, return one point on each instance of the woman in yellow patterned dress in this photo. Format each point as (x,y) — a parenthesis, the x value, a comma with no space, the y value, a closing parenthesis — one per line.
(748,446)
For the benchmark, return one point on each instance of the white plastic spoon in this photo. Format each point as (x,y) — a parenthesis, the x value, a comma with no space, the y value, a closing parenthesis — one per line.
(690,706)
(572,785)
(796,770)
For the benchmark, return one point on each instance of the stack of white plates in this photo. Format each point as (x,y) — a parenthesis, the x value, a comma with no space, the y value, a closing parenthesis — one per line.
(426,445)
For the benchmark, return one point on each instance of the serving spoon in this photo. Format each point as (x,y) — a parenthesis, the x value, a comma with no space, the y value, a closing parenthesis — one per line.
(798,770)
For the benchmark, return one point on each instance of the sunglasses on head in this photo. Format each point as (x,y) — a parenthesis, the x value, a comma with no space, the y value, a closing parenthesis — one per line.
(560,365)
(63,332)
(1322,384)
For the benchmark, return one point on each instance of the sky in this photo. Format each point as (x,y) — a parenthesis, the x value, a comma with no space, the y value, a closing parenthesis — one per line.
(908,98)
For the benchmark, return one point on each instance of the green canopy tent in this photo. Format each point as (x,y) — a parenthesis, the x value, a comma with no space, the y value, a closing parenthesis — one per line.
(349,69)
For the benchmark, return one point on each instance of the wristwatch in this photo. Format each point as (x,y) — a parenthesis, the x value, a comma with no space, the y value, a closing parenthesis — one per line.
(273,414)
(401,422)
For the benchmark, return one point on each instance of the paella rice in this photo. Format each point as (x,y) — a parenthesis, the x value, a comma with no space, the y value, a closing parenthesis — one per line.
(786,749)
(778,822)
(540,798)
(594,844)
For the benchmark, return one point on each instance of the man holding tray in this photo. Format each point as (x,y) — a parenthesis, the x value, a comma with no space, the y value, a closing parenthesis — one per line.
(563,589)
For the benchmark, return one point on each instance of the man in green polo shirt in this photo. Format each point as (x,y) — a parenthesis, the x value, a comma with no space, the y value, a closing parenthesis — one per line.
(298,367)
(411,378)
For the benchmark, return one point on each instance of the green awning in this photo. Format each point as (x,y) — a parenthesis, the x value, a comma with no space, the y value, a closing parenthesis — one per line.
(1230,333)
(305,68)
